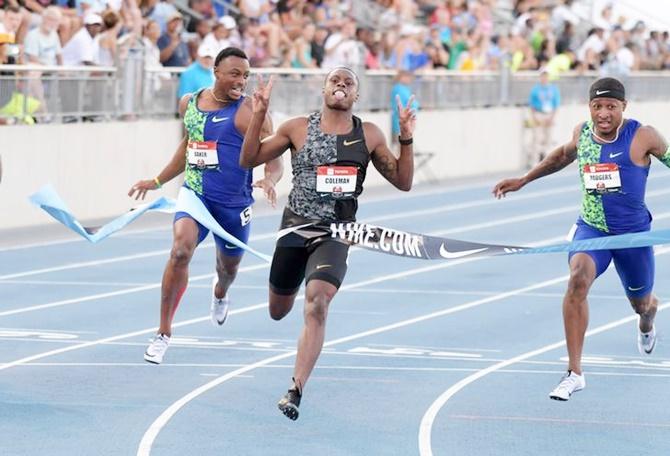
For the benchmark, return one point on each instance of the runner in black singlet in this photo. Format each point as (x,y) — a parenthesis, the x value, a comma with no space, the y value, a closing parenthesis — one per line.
(330,151)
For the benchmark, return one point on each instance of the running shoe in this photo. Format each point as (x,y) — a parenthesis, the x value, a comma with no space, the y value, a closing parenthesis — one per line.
(157,348)
(289,403)
(219,307)
(646,341)
(570,383)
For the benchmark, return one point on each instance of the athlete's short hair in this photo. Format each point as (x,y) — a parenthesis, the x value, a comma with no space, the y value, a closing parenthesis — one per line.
(358,82)
(230,52)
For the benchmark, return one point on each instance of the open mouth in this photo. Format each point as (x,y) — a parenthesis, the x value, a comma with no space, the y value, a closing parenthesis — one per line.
(236,92)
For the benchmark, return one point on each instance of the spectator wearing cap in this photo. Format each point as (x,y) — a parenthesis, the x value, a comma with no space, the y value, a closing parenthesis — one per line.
(199,74)
(544,100)
(174,51)
(82,49)
(221,35)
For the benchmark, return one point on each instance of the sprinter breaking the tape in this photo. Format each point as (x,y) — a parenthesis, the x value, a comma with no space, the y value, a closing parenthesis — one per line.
(330,151)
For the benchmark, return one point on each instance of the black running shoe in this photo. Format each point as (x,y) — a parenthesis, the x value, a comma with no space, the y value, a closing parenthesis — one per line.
(289,403)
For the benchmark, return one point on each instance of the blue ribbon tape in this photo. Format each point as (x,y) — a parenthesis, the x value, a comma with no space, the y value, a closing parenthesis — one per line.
(47,199)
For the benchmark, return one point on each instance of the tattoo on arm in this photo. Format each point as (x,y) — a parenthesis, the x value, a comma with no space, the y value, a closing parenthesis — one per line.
(386,165)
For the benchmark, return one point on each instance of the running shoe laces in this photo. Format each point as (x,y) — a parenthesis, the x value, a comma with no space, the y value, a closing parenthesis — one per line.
(570,383)
(157,348)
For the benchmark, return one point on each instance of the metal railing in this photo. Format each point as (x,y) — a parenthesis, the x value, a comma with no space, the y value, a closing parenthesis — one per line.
(30,93)
(54,94)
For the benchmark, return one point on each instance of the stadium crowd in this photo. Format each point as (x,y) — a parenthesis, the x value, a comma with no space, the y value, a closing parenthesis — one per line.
(465,35)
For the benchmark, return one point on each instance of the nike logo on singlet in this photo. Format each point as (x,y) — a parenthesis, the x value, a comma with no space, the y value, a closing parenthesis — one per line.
(615,155)
(349,143)
(217,119)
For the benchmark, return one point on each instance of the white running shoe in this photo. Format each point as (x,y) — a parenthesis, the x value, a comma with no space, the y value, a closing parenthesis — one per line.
(157,348)
(570,383)
(219,307)
(646,341)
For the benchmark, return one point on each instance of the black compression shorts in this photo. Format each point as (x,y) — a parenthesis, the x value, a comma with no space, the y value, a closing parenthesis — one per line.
(322,259)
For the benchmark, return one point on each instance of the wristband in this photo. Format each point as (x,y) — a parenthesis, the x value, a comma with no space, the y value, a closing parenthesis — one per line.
(157,182)
(405,142)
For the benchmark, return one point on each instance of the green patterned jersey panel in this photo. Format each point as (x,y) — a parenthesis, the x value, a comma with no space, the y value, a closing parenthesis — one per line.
(194,121)
(588,153)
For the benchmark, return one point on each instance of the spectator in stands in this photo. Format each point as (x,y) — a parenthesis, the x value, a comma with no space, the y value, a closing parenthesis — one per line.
(82,49)
(544,100)
(563,16)
(589,52)
(566,39)
(199,74)
(152,55)
(107,39)
(402,89)
(221,35)
(174,51)
(161,11)
(605,20)
(199,29)
(14,105)
(341,48)
(318,45)
(203,7)
(302,47)
(11,21)
(42,44)
(260,10)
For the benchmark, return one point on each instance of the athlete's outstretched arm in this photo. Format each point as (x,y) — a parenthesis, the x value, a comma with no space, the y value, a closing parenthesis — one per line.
(657,145)
(174,167)
(255,152)
(558,159)
(398,171)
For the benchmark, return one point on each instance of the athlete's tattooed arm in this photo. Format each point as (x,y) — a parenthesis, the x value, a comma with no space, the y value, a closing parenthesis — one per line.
(398,171)
(558,159)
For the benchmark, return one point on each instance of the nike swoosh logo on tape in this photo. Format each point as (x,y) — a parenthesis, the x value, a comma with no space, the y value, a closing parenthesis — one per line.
(615,155)
(450,255)
(600,92)
(349,143)
(636,289)
(218,119)
(286,231)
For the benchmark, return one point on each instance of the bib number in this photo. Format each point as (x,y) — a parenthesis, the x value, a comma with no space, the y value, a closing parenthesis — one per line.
(245,216)
(602,178)
(336,181)
(202,155)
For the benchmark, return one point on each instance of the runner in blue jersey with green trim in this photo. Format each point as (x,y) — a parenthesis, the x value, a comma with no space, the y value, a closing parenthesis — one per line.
(614,156)
(215,120)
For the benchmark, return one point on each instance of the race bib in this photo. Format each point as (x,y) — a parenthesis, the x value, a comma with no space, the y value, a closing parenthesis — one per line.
(336,181)
(202,155)
(601,178)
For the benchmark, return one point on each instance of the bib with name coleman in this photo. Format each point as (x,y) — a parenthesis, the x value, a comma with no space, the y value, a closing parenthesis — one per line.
(336,181)
(202,155)
(600,178)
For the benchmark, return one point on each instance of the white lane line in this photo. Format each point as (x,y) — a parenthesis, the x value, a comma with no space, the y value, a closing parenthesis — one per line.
(539,419)
(152,432)
(114,293)
(352,368)
(426,426)
(442,189)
